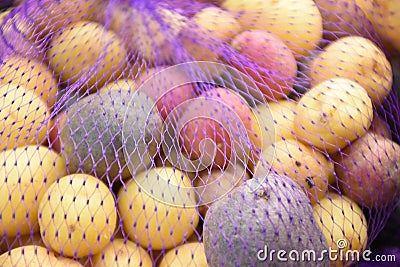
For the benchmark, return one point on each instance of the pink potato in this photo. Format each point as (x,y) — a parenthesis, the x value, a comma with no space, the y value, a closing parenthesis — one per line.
(369,171)
(158,83)
(266,59)
(239,105)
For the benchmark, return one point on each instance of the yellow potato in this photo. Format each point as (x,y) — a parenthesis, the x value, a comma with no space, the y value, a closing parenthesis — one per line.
(24,117)
(31,74)
(122,85)
(276,118)
(343,225)
(3,14)
(173,222)
(26,175)
(120,252)
(297,23)
(332,114)
(50,16)
(384,15)
(150,33)
(358,59)
(305,165)
(211,27)
(189,254)
(86,50)
(343,18)
(77,216)
(28,256)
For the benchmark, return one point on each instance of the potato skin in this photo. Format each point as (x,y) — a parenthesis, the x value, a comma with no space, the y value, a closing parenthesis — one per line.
(340,218)
(100,123)
(25,175)
(332,114)
(77,216)
(369,171)
(267,60)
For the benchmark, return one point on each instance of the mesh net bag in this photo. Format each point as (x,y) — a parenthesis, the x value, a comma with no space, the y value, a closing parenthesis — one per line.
(199,133)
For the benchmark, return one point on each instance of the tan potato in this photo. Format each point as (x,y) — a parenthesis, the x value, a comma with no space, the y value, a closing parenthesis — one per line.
(31,74)
(343,224)
(120,252)
(358,59)
(86,50)
(333,114)
(25,175)
(77,216)
(211,27)
(189,254)
(305,165)
(369,171)
(343,18)
(28,256)
(24,117)
(173,222)
(297,23)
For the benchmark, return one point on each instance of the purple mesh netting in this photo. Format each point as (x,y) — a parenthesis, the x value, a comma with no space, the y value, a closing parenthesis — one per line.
(199,132)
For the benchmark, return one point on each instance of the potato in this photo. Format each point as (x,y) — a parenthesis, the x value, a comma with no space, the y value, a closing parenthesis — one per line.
(129,134)
(176,217)
(24,117)
(384,17)
(159,84)
(343,224)
(208,30)
(369,171)
(211,185)
(358,59)
(267,211)
(223,116)
(305,165)
(333,114)
(297,23)
(51,16)
(267,60)
(87,54)
(28,256)
(67,262)
(343,18)
(120,252)
(4,14)
(238,105)
(20,36)
(25,174)
(151,33)
(188,254)
(276,121)
(31,74)
(77,216)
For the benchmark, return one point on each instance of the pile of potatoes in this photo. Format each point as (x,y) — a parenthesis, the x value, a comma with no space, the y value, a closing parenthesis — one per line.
(104,161)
